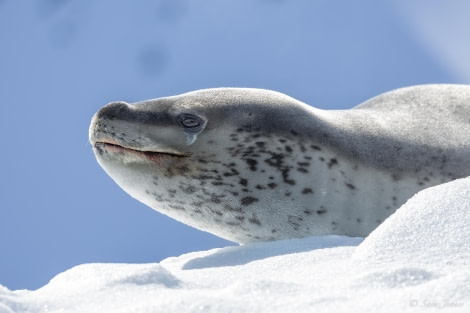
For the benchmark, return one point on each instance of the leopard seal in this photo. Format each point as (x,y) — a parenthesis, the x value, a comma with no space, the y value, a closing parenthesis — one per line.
(256,165)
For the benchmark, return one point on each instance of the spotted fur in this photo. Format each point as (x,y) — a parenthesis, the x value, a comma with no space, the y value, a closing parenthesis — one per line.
(256,165)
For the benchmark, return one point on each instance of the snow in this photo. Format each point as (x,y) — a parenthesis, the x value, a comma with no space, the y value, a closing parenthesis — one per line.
(417,260)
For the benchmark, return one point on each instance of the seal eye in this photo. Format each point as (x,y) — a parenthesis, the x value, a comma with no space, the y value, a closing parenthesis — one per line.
(190,122)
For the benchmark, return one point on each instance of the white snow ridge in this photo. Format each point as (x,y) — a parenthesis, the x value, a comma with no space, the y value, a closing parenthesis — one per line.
(417,260)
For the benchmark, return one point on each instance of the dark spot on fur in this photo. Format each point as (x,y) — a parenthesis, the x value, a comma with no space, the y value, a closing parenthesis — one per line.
(358,220)
(307,191)
(302,170)
(251,128)
(254,220)
(320,212)
(273,231)
(332,163)
(240,218)
(243,182)
(252,164)
(294,133)
(308,212)
(177,207)
(288,149)
(183,169)
(350,186)
(249,151)
(206,177)
(233,172)
(228,207)
(214,198)
(260,187)
(218,183)
(295,221)
(171,192)
(272,185)
(285,177)
(189,189)
(315,147)
(248,200)
(275,160)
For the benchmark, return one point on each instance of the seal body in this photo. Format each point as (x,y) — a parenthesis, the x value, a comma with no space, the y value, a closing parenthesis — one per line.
(256,165)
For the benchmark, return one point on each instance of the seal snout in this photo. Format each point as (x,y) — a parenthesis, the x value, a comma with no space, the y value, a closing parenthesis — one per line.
(115,110)
(111,111)
(105,125)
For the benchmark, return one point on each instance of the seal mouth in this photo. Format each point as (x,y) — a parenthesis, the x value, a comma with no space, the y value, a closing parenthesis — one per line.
(112,147)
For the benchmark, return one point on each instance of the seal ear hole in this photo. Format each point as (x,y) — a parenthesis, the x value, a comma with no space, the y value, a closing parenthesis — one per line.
(190,122)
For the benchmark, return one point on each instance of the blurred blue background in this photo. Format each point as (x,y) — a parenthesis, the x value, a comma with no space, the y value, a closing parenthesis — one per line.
(61,60)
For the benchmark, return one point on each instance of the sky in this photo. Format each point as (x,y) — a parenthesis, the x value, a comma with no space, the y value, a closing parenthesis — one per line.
(61,60)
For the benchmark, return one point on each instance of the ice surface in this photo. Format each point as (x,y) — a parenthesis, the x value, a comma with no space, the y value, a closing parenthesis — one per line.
(417,260)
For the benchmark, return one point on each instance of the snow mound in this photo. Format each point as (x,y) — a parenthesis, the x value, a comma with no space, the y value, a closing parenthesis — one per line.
(417,260)
(432,224)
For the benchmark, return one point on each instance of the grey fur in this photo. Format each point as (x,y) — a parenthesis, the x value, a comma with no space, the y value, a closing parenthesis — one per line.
(255,165)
